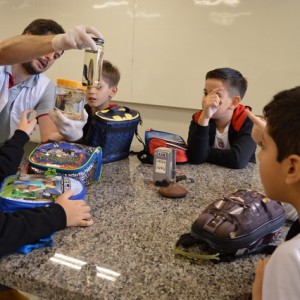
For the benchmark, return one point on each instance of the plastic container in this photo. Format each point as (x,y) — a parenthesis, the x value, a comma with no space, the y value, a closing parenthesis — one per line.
(92,67)
(70,98)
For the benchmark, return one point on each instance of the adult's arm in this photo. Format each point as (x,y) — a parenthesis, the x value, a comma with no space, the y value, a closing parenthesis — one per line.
(27,47)
(28,226)
(22,48)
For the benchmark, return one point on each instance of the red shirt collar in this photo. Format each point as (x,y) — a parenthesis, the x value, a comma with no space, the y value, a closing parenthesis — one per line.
(11,81)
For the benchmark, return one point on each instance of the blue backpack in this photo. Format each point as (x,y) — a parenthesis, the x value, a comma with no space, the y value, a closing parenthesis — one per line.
(62,158)
(27,191)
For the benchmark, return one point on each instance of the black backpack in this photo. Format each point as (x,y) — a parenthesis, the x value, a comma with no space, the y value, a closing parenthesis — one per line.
(240,223)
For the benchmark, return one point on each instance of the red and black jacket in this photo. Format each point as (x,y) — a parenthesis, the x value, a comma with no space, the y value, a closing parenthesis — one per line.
(201,140)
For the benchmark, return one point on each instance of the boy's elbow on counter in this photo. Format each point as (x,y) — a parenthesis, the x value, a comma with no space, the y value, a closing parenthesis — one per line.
(194,159)
(238,165)
(195,162)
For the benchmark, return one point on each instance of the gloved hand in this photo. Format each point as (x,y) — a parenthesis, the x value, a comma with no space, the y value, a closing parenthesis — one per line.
(71,130)
(76,38)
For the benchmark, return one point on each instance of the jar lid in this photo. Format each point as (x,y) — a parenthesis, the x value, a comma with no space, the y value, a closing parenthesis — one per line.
(98,40)
(70,83)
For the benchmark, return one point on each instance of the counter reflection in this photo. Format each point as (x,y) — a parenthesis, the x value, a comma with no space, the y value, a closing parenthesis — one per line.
(77,264)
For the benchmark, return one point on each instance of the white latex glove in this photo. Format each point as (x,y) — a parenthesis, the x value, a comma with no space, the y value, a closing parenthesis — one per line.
(76,38)
(71,130)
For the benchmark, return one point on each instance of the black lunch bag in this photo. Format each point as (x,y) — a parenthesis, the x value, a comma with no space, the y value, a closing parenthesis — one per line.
(113,130)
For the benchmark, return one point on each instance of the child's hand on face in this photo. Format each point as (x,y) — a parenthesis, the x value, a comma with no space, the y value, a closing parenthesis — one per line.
(27,124)
(77,211)
(259,125)
(211,103)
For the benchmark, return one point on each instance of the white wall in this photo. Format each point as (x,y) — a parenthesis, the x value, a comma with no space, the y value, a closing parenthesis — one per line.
(164,48)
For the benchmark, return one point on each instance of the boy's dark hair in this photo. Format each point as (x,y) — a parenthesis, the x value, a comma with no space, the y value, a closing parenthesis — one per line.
(283,122)
(43,27)
(235,82)
(110,73)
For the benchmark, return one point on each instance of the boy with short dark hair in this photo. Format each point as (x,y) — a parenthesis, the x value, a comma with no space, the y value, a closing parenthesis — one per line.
(279,166)
(221,132)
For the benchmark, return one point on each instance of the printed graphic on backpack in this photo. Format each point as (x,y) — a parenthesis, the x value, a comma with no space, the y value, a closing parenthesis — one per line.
(74,160)
(31,190)
(28,191)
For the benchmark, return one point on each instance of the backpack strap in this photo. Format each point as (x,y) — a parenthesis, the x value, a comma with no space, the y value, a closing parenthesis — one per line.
(187,240)
(293,231)
(139,138)
(142,155)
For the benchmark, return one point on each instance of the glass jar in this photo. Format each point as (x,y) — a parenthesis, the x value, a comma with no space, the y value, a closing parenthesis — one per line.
(70,98)
(92,66)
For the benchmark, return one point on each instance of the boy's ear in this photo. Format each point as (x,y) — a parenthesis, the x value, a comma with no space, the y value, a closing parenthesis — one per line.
(293,169)
(235,101)
(113,91)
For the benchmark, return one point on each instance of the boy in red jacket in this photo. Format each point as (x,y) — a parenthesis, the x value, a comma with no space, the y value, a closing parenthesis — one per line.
(221,132)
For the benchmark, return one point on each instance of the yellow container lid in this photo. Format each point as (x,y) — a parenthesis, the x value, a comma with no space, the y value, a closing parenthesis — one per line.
(70,83)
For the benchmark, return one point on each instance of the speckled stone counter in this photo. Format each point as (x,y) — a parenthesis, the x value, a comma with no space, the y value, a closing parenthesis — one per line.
(134,232)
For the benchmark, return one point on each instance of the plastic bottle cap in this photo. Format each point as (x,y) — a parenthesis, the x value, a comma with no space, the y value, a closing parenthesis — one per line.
(70,83)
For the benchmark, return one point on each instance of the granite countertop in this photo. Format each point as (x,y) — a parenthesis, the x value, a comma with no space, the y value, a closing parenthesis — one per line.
(134,232)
